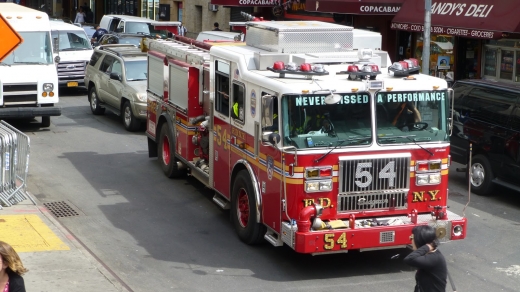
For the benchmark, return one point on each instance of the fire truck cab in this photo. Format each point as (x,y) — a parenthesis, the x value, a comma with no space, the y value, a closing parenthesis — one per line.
(308,140)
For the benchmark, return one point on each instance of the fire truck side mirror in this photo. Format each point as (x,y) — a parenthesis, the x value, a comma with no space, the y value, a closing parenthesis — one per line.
(271,137)
(451,97)
(274,138)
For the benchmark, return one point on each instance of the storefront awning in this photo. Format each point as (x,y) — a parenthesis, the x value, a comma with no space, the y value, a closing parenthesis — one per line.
(484,19)
(246,3)
(354,6)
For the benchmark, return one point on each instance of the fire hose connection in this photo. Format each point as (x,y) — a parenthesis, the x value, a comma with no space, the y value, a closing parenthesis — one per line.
(304,222)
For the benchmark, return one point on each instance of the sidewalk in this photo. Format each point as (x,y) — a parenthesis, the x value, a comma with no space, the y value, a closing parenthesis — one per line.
(56,260)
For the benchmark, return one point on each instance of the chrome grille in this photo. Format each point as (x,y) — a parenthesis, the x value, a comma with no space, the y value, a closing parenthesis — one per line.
(373,182)
(71,70)
(372,201)
(15,94)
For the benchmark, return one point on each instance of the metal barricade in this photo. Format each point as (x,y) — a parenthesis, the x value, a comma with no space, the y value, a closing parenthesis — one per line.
(14,165)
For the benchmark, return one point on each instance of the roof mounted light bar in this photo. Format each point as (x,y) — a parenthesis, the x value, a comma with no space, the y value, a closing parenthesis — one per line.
(291,68)
(405,67)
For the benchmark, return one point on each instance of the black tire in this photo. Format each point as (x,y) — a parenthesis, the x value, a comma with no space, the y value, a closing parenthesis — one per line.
(481,176)
(243,210)
(46,122)
(166,153)
(131,123)
(94,102)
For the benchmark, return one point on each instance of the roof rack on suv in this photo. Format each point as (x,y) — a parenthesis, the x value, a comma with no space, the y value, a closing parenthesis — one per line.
(121,50)
(109,46)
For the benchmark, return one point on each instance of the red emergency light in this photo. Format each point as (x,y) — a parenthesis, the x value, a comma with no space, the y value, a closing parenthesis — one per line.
(405,67)
(362,71)
(291,68)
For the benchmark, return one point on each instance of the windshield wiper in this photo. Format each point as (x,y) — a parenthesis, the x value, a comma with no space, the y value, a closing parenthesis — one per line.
(414,140)
(409,137)
(341,142)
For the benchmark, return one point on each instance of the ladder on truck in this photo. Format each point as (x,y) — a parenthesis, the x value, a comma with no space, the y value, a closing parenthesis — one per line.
(178,50)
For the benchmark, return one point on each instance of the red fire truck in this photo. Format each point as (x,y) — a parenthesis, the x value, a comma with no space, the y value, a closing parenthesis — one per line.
(310,140)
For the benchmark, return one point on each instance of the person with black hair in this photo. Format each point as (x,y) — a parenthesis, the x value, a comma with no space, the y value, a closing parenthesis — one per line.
(216,27)
(432,270)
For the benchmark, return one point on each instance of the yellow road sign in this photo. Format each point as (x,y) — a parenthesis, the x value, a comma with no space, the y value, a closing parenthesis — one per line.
(10,38)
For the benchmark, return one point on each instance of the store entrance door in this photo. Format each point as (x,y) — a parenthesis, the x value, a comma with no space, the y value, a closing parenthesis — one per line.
(468,56)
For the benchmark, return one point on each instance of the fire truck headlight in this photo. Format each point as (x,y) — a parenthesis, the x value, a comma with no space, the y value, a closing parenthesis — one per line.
(318,186)
(428,179)
(326,186)
(48,87)
(435,178)
(311,187)
(457,230)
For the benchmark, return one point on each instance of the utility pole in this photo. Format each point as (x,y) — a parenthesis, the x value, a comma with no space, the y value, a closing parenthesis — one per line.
(426,37)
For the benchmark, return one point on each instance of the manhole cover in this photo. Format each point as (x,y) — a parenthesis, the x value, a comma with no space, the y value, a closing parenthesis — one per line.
(61,209)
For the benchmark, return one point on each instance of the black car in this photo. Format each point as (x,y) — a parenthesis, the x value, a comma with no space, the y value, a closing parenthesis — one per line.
(122,38)
(487,115)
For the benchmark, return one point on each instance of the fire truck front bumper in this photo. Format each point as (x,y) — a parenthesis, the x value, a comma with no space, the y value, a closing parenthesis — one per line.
(370,234)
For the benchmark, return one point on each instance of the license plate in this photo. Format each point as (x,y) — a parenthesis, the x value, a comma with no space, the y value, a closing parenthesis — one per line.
(72,84)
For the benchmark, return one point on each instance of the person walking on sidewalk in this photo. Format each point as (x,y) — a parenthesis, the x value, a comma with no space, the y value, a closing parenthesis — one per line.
(11,270)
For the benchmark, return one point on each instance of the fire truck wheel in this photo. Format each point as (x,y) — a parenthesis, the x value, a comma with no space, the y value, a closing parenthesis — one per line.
(46,122)
(243,210)
(94,102)
(481,176)
(166,153)
(132,124)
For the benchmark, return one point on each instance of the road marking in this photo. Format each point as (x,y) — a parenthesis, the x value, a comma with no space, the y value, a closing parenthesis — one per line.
(513,270)
(28,233)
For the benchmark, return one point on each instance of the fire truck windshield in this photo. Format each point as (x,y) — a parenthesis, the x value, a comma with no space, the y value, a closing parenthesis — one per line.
(309,122)
(412,116)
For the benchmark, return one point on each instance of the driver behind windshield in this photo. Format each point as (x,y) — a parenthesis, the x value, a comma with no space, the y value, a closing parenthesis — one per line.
(403,114)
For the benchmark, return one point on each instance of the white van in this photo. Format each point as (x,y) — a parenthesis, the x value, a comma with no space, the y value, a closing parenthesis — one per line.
(72,53)
(134,24)
(28,78)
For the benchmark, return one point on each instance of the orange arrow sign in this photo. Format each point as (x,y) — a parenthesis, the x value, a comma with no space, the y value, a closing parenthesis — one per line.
(10,38)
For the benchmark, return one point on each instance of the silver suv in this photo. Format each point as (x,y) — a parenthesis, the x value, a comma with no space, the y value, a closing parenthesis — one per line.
(116,80)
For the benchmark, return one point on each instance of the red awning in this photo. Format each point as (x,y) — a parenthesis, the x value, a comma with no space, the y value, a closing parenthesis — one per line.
(354,6)
(485,19)
(246,3)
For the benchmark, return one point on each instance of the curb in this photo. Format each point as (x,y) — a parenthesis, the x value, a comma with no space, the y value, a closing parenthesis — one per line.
(118,283)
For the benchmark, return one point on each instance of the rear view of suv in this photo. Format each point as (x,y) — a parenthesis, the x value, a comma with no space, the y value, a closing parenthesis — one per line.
(487,115)
(116,80)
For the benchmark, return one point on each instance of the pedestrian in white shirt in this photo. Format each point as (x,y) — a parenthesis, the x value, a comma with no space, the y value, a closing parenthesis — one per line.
(182,30)
(80,16)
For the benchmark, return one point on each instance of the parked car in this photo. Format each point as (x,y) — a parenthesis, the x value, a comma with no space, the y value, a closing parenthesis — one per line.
(122,38)
(134,24)
(74,52)
(116,79)
(487,115)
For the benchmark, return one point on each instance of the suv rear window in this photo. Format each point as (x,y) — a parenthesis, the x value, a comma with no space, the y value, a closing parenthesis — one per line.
(95,57)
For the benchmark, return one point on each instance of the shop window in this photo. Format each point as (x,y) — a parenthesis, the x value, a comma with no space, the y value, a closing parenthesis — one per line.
(441,53)
(507,64)
(490,62)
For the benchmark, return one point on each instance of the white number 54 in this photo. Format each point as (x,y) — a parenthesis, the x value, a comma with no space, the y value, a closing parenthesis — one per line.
(364,177)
